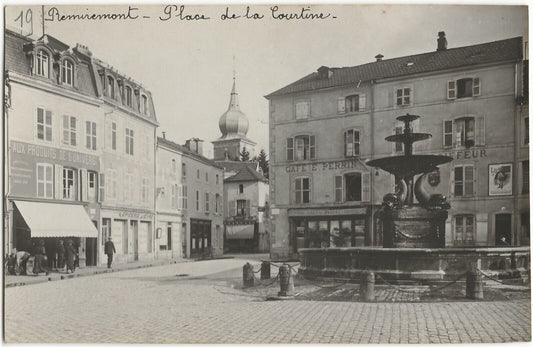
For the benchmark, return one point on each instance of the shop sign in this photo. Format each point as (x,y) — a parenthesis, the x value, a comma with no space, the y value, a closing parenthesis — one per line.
(25,156)
(134,215)
(467,154)
(500,179)
(43,154)
(323,166)
(326,212)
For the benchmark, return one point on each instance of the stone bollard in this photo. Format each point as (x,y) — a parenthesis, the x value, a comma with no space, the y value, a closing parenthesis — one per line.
(474,285)
(286,284)
(265,270)
(366,287)
(247,275)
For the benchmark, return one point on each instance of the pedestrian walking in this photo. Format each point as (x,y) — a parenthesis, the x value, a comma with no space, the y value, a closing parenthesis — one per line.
(60,255)
(109,250)
(40,259)
(70,254)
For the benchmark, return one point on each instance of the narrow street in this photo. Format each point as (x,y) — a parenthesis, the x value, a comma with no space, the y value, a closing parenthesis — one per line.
(202,302)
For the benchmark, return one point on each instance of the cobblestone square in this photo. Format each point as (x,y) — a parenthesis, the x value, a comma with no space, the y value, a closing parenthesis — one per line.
(203,302)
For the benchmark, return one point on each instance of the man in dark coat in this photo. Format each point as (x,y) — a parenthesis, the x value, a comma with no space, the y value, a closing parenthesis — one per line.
(70,254)
(109,249)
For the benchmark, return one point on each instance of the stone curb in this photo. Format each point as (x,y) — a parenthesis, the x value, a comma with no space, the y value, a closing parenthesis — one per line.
(96,272)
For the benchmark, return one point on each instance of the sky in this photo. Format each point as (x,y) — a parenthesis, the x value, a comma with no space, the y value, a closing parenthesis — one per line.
(188,65)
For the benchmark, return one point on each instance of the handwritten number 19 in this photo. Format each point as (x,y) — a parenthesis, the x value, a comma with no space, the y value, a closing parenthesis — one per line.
(26,19)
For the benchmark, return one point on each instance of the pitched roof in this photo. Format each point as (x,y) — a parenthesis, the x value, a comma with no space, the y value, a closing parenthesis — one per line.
(185,150)
(485,53)
(246,174)
(235,166)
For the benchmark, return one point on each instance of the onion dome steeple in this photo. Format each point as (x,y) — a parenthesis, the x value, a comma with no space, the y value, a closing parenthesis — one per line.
(233,123)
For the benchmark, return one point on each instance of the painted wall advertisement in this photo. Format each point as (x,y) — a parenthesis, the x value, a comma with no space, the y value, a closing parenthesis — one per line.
(25,156)
(500,179)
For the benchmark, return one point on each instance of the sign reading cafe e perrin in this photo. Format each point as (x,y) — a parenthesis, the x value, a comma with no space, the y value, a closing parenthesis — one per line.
(323,166)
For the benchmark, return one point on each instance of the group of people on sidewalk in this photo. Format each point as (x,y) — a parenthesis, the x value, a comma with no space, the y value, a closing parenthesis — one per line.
(47,260)
(44,261)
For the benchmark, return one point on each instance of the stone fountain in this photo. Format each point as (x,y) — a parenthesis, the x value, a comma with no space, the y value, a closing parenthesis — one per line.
(406,225)
(413,233)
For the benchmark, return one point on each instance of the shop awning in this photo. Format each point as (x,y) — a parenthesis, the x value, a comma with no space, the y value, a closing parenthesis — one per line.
(240,232)
(56,220)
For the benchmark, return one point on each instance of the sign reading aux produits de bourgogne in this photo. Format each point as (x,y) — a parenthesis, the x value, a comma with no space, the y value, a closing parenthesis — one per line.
(24,158)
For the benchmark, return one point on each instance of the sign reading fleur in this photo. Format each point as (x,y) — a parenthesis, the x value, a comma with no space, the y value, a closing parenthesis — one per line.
(500,179)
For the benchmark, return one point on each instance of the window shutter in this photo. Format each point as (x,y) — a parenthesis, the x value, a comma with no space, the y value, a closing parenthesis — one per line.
(84,184)
(341,105)
(474,181)
(101,187)
(447,133)
(232,207)
(337,188)
(293,189)
(346,150)
(58,181)
(247,208)
(451,90)
(290,149)
(452,182)
(365,186)
(476,87)
(480,131)
(362,102)
(312,147)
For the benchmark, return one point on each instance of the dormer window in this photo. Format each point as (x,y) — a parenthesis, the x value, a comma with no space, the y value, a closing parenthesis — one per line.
(129,97)
(67,72)
(41,63)
(144,104)
(110,87)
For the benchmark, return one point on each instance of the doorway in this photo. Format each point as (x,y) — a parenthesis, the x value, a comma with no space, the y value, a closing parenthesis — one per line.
(135,231)
(503,226)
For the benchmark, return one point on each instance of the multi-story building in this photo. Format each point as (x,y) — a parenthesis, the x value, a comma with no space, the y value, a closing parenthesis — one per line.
(54,139)
(324,127)
(246,194)
(80,139)
(189,201)
(128,162)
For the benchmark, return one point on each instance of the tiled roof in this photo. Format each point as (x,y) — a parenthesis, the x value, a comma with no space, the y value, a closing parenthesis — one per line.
(235,166)
(185,150)
(486,53)
(246,174)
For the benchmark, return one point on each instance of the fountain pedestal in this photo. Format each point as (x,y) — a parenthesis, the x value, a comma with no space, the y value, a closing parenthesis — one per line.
(413,227)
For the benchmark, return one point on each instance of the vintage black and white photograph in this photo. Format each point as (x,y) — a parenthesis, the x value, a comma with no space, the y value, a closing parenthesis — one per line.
(177,173)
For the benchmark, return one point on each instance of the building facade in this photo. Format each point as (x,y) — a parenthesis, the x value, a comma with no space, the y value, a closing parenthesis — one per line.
(53,133)
(324,127)
(245,196)
(189,203)
(90,146)
(128,164)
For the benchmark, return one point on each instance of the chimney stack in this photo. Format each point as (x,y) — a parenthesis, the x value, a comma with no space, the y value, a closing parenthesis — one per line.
(195,145)
(442,43)
(164,135)
(379,57)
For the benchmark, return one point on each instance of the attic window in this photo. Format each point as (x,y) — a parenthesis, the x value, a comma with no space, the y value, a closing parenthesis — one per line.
(410,63)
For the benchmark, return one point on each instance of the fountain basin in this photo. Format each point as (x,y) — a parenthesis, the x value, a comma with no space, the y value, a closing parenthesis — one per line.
(420,265)
(413,227)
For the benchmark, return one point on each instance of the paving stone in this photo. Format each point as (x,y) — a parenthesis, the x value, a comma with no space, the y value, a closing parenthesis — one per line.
(154,305)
